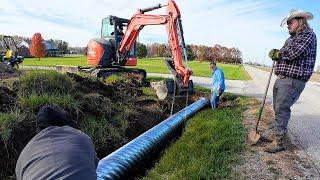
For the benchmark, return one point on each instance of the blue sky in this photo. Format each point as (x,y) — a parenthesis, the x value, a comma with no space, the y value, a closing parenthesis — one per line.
(253,26)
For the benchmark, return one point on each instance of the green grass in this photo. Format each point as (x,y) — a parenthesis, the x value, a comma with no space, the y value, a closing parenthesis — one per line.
(7,122)
(45,82)
(207,149)
(232,72)
(53,61)
(155,65)
(106,133)
(35,101)
(202,89)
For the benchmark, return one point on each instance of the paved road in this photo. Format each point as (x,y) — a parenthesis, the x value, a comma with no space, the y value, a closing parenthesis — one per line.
(304,125)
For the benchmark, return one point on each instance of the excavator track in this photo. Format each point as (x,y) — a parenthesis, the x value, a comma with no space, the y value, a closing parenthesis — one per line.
(106,72)
(103,72)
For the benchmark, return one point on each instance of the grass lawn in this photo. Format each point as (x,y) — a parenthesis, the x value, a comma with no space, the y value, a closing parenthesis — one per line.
(53,61)
(154,65)
(232,72)
(208,147)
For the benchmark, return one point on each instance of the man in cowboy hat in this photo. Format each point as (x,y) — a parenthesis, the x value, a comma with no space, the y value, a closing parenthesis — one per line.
(295,63)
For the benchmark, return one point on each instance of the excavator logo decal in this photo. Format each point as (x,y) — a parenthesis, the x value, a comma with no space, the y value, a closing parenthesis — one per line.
(91,52)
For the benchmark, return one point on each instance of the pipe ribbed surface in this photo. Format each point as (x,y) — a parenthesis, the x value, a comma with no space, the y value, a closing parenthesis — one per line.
(117,164)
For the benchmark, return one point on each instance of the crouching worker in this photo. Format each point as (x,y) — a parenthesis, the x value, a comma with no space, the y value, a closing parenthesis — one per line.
(218,85)
(58,151)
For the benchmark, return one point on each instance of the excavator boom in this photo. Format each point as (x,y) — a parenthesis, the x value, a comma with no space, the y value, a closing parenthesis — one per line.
(172,21)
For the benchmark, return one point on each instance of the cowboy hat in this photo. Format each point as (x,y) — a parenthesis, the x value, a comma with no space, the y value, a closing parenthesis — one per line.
(296,13)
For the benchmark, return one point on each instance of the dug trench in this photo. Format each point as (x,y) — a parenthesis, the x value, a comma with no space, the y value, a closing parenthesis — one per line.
(111,111)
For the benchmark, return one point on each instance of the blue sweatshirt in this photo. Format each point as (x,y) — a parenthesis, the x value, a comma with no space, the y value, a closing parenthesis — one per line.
(218,79)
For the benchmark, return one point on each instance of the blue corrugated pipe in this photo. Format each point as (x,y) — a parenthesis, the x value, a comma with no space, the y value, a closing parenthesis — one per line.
(120,162)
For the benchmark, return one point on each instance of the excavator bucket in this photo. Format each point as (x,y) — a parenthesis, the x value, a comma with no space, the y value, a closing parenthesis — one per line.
(163,88)
(168,87)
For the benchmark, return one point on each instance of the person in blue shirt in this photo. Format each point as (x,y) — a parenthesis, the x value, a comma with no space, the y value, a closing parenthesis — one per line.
(218,85)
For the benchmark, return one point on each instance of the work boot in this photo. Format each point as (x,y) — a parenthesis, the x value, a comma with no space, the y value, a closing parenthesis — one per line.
(276,145)
(268,135)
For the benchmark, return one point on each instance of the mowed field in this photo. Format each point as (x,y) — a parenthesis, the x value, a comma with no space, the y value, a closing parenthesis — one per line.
(154,65)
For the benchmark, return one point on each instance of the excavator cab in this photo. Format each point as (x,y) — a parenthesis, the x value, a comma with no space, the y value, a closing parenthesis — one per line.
(102,51)
(116,26)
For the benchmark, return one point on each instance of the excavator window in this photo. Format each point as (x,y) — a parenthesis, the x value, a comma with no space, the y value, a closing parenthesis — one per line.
(133,51)
(107,28)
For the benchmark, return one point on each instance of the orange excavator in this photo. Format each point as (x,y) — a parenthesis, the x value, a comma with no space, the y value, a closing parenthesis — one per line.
(115,49)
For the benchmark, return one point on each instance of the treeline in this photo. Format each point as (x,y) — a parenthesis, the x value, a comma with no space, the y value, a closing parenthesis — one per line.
(194,52)
(17,39)
(62,45)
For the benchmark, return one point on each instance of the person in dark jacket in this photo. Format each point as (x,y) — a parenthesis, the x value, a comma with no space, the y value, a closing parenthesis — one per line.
(58,150)
(294,67)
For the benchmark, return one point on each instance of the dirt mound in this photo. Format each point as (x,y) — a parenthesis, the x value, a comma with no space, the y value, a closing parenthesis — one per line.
(6,71)
(7,99)
(111,112)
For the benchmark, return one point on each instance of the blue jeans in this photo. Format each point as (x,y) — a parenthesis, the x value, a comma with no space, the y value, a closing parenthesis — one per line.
(214,100)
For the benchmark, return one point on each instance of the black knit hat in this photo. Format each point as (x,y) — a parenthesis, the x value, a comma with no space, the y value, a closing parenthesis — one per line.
(51,115)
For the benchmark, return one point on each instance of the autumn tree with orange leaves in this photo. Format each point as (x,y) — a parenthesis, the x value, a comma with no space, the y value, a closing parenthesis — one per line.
(38,49)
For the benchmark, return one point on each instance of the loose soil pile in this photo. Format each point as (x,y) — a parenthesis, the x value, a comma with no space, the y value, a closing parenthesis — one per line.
(7,99)
(7,71)
(111,111)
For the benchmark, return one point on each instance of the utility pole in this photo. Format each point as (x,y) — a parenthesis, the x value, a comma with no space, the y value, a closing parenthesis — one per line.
(264,59)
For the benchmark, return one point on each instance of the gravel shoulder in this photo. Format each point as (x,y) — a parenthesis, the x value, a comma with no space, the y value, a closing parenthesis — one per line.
(294,163)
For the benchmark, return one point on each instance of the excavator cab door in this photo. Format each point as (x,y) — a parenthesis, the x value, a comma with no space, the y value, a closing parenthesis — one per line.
(113,29)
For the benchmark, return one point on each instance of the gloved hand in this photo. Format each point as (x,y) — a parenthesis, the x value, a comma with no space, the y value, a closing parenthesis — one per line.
(218,91)
(274,54)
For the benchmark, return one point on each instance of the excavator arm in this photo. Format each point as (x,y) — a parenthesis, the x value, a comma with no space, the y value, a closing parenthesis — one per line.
(174,30)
